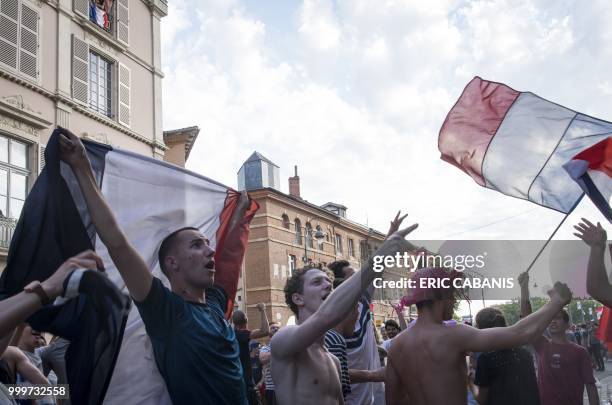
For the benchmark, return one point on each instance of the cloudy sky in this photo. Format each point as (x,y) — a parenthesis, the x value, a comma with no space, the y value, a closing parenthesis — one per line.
(354,93)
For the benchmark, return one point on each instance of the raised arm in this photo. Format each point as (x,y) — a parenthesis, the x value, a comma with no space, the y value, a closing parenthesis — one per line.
(18,308)
(130,265)
(598,285)
(336,307)
(524,331)
(264,328)
(399,310)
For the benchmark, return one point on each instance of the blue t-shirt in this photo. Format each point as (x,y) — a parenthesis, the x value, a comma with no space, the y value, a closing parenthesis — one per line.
(195,347)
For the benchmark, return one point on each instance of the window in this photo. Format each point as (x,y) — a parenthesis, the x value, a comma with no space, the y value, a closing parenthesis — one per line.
(110,16)
(13,176)
(285,221)
(298,231)
(309,235)
(239,298)
(100,84)
(351,248)
(19,37)
(339,243)
(292,261)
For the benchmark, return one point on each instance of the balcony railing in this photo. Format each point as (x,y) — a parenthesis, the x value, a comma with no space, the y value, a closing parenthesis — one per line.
(7,227)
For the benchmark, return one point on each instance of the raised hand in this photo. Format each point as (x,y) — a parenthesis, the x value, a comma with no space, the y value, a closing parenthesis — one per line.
(396,242)
(261,307)
(72,150)
(594,236)
(560,294)
(54,285)
(395,224)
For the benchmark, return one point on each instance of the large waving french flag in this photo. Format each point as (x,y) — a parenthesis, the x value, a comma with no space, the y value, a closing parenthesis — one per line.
(517,142)
(150,199)
(592,170)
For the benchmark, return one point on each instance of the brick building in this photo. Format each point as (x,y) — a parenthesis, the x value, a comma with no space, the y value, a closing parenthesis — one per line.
(289,232)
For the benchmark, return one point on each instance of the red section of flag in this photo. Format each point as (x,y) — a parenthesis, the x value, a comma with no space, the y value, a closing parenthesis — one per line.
(599,156)
(604,331)
(231,245)
(472,123)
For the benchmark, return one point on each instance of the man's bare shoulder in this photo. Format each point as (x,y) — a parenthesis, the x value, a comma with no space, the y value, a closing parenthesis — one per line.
(281,339)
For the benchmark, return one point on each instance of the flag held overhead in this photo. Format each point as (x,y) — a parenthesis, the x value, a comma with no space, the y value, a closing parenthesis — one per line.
(517,142)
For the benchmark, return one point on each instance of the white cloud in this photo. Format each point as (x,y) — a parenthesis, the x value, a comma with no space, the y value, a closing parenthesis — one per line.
(354,92)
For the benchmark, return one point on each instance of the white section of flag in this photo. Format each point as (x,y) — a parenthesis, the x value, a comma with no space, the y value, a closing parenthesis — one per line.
(149,199)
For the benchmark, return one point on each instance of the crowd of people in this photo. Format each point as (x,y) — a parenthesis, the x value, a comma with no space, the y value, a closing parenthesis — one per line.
(333,354)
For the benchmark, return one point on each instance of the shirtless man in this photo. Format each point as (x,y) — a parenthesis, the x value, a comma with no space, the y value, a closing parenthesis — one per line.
(302,370)
(427,363)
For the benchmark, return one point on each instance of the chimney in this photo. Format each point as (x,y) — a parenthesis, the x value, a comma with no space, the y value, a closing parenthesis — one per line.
(294,185)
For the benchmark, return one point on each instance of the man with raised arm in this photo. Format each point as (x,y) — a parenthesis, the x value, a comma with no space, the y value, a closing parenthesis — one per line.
(564,368)
(302,370)
(195,348)
(598,285)
(427,363)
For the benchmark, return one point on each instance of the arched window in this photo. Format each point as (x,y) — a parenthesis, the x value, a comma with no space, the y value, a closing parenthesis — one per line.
(285,221)
(309,235)
(298,231)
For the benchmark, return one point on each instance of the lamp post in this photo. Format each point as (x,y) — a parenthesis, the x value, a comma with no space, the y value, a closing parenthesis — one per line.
(309,233)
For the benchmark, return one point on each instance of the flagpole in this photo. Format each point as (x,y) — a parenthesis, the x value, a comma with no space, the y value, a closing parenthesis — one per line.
(554,232)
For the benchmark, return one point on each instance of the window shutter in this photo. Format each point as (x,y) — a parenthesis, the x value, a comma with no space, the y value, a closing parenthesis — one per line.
(80,70)
(28,44)
(123,18)
(41,158)
(124,95)
(81,7)
(9,17)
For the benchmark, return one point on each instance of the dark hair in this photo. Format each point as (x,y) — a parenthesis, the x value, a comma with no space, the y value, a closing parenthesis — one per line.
(490,318)
(239,318)
(391,322)
(424,304)
(566,317)
(337,282)
(295,284)
(337,267)
(167,244)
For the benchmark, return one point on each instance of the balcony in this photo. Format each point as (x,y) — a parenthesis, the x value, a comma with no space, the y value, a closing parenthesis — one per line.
(7,227)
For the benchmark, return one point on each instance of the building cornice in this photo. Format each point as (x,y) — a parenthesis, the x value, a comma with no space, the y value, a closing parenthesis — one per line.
(83,110)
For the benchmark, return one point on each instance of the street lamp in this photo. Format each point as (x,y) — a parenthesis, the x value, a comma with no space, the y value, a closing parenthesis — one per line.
(319,235)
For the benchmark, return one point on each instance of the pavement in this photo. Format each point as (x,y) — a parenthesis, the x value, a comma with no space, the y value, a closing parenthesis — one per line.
(604,385)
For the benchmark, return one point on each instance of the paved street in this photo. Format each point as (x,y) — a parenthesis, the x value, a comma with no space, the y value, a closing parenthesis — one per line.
(604,385)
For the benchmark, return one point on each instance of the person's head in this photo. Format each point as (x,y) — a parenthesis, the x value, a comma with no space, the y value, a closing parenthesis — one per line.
(490,318)
(239,319)
(440,297)
(187,259)
(305,290)
(30,339)
(560,323)
(254,348)
(341,269)
(274,327)
(391,328)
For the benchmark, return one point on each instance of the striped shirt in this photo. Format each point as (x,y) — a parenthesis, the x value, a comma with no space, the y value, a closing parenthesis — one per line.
(336,345)
(267,373)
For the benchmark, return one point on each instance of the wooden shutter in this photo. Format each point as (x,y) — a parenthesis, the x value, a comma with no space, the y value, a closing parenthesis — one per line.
(80,70)
(123,18)
(41,158)
(81,7)
(9,31)
(28,42)
(124,113)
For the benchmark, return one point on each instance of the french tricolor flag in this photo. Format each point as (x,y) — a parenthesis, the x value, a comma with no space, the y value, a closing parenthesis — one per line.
(150,199)
(592,170)
(517,142)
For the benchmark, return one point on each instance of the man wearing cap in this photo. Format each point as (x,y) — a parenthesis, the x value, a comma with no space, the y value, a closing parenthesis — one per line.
(427,363)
